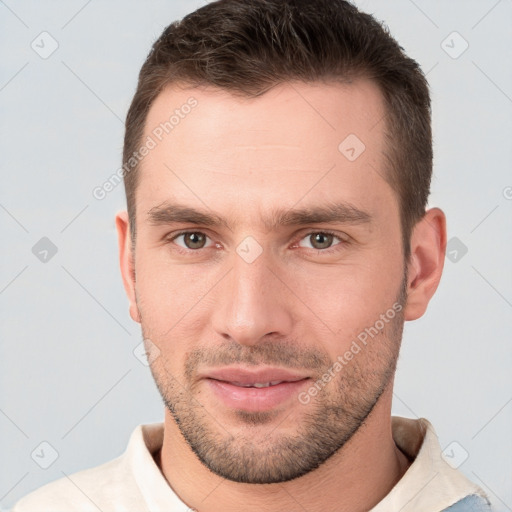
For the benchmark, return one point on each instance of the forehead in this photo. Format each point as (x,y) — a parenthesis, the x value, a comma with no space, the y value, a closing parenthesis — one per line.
(296,140)
(289,113)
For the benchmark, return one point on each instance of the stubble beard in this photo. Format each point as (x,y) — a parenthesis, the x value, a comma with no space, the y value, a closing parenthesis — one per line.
(326,423)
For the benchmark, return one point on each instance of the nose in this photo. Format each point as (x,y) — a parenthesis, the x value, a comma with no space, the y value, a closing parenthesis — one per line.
(252,303)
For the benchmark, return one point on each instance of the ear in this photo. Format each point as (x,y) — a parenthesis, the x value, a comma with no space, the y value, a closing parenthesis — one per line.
(428,247)
(126,261)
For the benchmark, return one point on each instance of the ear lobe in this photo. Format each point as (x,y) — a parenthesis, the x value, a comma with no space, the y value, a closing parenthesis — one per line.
(428,247)
(126,262)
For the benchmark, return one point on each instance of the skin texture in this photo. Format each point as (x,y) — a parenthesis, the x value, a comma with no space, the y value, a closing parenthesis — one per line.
(297,305)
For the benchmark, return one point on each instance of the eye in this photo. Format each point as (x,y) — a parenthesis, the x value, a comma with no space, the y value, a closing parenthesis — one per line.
(191,240)
(319,240)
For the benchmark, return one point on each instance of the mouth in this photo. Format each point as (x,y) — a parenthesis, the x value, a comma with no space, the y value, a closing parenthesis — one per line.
(257,384)
(263,389)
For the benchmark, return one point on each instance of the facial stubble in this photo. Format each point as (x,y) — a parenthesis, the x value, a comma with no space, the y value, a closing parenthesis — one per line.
(326,423)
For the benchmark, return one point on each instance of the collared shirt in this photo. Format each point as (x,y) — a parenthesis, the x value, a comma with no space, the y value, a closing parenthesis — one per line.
(134,483)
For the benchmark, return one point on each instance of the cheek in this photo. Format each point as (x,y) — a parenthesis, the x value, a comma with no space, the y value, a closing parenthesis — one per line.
(170,295)
(171,301)
(348,299)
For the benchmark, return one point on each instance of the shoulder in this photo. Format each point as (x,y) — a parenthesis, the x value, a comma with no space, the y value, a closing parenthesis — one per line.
(99,487)
(83,491)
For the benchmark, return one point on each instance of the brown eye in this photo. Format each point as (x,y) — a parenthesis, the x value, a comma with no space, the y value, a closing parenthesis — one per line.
(321,240)
(191,241)
(194,240)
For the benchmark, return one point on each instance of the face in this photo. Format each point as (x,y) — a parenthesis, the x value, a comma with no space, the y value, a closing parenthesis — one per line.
(269,274)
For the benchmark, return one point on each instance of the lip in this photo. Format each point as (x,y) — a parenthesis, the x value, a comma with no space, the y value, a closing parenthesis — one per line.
(230,386)
(246,376)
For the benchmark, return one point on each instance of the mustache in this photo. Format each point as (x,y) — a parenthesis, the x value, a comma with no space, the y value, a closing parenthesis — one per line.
(273,353)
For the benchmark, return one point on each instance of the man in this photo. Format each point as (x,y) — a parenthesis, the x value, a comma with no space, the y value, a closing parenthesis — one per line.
(277,166)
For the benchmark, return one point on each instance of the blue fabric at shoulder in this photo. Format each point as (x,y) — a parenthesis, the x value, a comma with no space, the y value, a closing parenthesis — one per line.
(471,503)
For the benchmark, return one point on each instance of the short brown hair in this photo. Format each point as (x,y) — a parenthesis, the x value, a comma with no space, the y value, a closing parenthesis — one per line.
(249,46)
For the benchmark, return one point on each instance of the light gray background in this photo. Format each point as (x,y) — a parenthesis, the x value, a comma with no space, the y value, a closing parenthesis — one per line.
(68,373)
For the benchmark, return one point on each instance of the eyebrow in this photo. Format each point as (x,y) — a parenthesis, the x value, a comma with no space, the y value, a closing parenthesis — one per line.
(342,213)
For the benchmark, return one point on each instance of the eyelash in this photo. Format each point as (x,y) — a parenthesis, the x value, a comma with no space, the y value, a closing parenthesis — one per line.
(329,250)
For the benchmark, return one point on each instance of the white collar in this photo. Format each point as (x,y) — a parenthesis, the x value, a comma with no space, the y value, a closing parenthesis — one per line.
(430,483)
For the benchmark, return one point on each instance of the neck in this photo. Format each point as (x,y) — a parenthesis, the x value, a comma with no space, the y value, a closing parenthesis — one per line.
(354,479)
